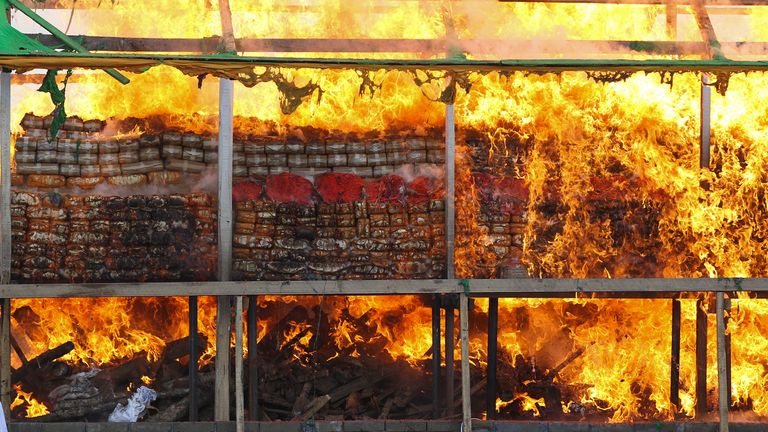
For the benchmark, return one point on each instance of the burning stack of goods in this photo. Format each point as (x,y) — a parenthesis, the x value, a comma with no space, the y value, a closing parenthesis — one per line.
(342,226)
(615,228)
(82,155)
(83,238)
(259,157)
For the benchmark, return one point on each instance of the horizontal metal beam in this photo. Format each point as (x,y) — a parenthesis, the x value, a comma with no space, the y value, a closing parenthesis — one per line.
(229,65)
(426,46)
(474,287)
(648,2)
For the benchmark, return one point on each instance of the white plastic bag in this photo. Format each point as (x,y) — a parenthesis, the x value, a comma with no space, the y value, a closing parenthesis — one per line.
(137,404)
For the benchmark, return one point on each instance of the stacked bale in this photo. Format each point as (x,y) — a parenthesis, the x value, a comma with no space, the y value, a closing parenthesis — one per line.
(81,156)
(86,238)
(370,158)
(342,227)
(500,227)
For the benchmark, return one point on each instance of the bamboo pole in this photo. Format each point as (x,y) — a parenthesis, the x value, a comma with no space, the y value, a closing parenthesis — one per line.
(226,133)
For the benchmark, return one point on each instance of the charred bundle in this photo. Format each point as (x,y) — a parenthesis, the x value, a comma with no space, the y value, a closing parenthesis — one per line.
(82,156)
(83,238)
(330,230)
(372,158)
(620,234)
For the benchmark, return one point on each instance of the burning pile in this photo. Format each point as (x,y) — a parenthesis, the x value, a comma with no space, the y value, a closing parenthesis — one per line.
(340,227)
(82,156)
(86,238)
(259,157)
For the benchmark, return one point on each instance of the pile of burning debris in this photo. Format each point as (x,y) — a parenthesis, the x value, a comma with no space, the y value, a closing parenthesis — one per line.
(87,238)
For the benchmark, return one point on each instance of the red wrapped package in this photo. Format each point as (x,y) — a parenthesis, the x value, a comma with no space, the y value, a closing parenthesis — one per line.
(246,191)
(424,188)
(484,184)
(339,187)
(511,188)
(385,189)
(287,187)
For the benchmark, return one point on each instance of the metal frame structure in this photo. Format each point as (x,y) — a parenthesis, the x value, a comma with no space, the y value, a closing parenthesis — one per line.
(444,291)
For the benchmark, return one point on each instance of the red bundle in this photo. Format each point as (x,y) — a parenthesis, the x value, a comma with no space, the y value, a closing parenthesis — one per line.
(484,184)
(385,189)
(511,188)
(246,191)
(423,188)
(287,187)
(339,187)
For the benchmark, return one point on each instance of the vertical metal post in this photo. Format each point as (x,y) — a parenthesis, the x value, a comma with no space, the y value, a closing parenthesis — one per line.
(706,131)
(436,356)
(466,384)
(239,402)
(450,189)
(701,359)
(5,238)
(722,376)
(449,349)
(5,177)
(671,19)
(253,370)
(728,349)
(701,314)
(674,376)
(193,350)
(224,303)
(493,345)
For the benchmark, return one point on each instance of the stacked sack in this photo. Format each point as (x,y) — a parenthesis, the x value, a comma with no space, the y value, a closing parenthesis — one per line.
(374,158)
(85,238)
(80,156)
(340,227)
(501,225)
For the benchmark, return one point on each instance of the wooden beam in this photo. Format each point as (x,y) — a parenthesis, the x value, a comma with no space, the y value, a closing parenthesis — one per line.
(466,384)
(426,46)
(724,401)
(533,288)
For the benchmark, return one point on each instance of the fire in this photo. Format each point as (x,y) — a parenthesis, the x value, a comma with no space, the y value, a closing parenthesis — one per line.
(33,407)
(636,139)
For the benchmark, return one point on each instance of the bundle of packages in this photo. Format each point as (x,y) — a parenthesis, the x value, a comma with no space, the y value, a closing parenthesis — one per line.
(342,227)
(371,158)
(88,238)
(81,156)
(616,230)
(500,230)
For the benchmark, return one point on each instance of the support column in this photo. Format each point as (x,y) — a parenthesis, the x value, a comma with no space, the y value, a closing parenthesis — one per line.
(674,376)
(722,374)
(701,305)
(436,357)
(5,238)
(493,345)
(193,356)
(466,384)
(224,303)
(450,189)
(253,371)
(449,360)
(701,358)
